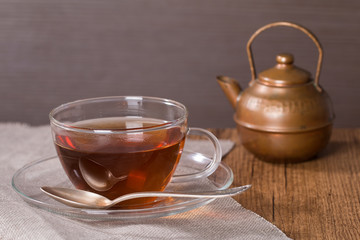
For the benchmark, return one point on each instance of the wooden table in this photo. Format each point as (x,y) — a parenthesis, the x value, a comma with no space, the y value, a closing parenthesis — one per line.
(318,199)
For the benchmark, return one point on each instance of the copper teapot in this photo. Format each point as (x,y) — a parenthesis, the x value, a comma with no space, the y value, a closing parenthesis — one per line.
(284,115)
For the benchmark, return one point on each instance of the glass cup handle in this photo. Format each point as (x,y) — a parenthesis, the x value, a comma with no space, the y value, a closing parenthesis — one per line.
(211,167)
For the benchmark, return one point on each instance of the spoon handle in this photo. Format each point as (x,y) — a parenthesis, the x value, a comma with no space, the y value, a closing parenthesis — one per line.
(207,194)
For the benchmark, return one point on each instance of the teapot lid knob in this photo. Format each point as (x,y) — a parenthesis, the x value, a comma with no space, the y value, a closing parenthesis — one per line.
(285,58)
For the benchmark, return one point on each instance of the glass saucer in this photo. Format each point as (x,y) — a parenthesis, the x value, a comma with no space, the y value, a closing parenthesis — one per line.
(48,172)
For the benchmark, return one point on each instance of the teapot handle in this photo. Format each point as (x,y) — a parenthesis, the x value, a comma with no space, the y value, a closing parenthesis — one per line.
(287,24)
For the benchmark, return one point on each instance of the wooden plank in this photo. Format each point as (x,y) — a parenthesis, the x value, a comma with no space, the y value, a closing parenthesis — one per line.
(318,199)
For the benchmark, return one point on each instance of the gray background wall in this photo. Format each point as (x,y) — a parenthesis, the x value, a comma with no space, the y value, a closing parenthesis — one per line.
(58,51)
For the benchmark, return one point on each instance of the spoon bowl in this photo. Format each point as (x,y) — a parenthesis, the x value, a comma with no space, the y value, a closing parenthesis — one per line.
(97,176)
(84,199)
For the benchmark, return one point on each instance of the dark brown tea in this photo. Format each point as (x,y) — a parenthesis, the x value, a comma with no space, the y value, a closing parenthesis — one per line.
(116,164)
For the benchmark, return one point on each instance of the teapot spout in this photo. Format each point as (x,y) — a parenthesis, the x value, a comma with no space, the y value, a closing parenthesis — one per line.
(231,89)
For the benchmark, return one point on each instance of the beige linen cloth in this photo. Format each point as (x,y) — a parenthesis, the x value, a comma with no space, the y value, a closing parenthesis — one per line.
(20,144)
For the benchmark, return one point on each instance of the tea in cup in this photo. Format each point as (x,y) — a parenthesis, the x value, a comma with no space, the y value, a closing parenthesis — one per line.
(119,145)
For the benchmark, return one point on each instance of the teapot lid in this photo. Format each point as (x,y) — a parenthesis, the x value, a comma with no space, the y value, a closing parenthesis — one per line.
(284,73)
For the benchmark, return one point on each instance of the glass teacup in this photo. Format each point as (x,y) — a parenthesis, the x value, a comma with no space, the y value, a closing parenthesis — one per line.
(124,144)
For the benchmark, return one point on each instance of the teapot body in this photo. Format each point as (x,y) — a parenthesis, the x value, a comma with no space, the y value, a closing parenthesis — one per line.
(284,124)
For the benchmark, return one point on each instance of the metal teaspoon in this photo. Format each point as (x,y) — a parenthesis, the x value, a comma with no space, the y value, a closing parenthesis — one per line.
(84,199)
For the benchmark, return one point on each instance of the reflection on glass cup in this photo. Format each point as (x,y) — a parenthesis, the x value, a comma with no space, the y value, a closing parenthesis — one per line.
(119,145)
